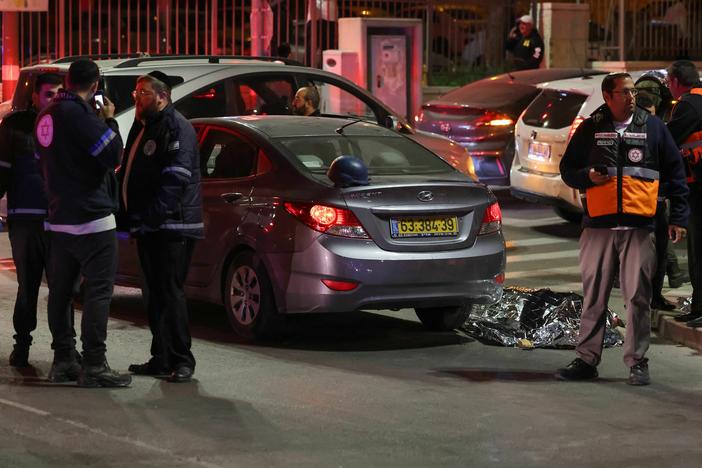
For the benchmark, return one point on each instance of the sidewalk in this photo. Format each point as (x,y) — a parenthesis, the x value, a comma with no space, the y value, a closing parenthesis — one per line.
(665,327)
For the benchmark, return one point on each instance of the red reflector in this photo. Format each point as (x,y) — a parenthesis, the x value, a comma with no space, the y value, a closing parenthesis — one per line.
(340,285)
(500,279)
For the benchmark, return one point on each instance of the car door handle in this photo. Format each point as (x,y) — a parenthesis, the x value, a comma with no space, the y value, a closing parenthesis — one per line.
(232,197)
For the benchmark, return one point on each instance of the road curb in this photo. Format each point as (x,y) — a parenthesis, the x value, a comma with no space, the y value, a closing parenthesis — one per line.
(666,327)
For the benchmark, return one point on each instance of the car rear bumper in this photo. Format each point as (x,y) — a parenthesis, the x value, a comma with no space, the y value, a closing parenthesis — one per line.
(547,189)
(387,279)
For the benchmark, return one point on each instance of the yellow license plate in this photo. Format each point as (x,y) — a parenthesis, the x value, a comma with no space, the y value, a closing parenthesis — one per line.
(424,227)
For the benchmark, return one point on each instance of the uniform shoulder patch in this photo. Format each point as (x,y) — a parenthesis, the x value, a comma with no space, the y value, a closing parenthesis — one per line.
(45,130)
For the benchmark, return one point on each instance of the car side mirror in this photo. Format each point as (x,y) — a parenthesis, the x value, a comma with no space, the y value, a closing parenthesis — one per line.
(393,123)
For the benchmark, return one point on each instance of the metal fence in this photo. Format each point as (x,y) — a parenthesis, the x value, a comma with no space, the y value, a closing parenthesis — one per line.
(646,30)
(455,30)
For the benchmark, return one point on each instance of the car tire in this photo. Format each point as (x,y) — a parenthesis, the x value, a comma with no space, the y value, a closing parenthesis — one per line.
(444,318)
(569,215)
(248,298)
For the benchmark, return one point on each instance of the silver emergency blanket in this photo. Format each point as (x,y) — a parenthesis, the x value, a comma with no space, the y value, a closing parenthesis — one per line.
(685,304)
(534,318)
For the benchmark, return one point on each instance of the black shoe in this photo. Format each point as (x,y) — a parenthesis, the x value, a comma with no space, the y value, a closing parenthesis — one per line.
(638,374)
(677,279)
(19,357)
(64,371)
(149,368)
(102,376)
(577,370)
(687,317)
(661,303)
(181,375)
(695,323)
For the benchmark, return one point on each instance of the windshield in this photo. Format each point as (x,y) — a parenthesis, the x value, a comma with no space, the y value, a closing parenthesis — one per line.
(383,155)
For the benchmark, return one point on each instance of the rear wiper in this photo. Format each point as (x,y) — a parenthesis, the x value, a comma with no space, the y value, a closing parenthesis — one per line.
(340,130)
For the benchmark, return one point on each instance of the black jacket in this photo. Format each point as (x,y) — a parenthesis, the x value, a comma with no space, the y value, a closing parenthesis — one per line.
(660,153)
(160,178)
(20,175)
(686,120)
(78,153)
(528,50)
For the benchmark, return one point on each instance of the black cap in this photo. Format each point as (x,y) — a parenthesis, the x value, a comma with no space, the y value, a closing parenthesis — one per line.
(163,78)
(83,72)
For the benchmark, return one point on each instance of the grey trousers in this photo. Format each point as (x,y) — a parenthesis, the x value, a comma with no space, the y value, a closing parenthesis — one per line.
(602,251)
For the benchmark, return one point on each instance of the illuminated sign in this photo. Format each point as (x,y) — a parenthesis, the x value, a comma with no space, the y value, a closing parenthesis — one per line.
(24,5)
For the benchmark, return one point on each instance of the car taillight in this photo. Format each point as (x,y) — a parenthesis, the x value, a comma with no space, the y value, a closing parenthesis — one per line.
(335,285)
(493,119)
(492,220)
(328,219)
(576,123)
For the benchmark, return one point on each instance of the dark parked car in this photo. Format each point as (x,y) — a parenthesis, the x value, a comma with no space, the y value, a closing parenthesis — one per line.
(481,115)
(281,238)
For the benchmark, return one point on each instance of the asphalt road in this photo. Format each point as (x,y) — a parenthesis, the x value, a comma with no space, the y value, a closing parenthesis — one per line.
(365,389)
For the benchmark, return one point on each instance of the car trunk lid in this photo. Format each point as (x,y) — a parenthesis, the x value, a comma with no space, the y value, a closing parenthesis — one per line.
(419,215)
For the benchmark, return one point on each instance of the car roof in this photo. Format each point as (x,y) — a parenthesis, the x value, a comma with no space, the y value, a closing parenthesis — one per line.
(186,67)
(585,85)
(541,75)
(286,126)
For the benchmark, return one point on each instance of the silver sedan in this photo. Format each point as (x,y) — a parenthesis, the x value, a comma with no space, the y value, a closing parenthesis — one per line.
(281,238)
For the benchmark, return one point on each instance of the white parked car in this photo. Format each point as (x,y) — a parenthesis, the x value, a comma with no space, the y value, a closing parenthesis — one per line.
(541,137)
(218,86)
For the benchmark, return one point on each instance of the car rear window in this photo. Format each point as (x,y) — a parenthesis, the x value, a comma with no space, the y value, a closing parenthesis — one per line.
(554,109)
(503,96)
(382,155)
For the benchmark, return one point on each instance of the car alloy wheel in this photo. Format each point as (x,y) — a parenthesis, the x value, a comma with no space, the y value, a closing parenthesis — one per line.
(248,298)
(245,295)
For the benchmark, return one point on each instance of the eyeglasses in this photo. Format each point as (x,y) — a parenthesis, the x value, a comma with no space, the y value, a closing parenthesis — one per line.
(625,91)
(141,93)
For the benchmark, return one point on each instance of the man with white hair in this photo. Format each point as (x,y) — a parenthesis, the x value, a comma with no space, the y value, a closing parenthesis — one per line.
(525,44)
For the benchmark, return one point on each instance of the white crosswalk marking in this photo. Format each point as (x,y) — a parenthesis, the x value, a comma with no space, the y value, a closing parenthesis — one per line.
(522,223)
(515,244)
(511,259)
(543,272)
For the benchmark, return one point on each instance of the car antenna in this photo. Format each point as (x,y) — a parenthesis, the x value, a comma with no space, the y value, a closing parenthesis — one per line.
(340,130)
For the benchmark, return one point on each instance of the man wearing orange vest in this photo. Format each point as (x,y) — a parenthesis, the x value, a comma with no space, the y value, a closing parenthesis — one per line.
(686,127)
(618,158)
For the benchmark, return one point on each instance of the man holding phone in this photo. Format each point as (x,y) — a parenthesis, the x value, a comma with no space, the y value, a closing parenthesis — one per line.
(619,157)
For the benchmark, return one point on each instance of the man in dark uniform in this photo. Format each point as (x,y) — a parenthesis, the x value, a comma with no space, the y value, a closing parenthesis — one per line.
(78,153)
(161,194)
(21,178)
(525,44)
(619,157)
(686,127)
(306,102)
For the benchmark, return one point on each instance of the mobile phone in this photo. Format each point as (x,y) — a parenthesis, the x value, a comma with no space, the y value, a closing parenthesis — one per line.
(98,100)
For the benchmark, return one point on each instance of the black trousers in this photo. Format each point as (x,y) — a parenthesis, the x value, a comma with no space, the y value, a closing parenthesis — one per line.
(30,251)
(694,247)
(661,249)
(94,256)
(165,260)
